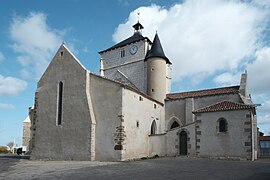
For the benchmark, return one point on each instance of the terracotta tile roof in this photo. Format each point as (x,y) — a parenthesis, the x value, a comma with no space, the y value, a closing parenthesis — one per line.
(223,106)
(207,92)
(264,138)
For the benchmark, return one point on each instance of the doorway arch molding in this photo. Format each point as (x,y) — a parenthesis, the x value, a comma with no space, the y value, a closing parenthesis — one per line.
(188,145)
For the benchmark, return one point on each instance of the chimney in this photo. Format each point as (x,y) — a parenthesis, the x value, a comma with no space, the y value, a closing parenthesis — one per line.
(244,85)
(101,67)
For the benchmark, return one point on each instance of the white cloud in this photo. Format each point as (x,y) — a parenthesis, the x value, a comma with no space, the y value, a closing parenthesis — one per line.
(2,57)
(201,37)
(266,107)
(264,123)
(34,40)
(263,3)
(24,60)
(227,79)
(10,86)
(259,75)
(6,106)
(262,120)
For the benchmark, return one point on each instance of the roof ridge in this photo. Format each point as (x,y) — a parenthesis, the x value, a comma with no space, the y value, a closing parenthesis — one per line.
(224,87)
(205,92)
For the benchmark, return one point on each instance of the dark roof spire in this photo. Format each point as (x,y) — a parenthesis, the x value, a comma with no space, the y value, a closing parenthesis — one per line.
(157,50)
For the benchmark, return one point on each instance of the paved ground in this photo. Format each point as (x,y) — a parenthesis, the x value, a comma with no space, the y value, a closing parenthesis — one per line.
(160,168)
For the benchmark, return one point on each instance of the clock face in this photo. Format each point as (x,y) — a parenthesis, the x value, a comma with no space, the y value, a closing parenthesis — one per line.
(133,49)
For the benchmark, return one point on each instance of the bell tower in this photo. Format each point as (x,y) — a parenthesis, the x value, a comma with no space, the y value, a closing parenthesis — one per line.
(124,61)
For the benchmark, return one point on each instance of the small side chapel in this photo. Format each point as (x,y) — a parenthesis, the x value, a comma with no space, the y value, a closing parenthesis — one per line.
(127,112)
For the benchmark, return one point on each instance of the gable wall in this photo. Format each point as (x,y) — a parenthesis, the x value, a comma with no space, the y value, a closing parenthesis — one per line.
(71,139)
(235,143)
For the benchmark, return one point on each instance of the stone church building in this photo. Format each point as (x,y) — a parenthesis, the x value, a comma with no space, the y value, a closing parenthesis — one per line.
(127,112)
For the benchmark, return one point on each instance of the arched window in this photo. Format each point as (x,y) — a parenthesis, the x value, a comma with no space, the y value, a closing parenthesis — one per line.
(223,125)
(153,127)
(174,125)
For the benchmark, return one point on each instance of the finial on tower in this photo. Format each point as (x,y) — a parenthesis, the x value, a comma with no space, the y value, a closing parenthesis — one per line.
(138,16)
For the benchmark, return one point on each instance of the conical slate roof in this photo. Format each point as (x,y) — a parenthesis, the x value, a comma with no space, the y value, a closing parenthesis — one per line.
(157,50)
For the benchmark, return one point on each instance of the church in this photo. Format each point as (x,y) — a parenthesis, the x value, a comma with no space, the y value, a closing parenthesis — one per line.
(127,111)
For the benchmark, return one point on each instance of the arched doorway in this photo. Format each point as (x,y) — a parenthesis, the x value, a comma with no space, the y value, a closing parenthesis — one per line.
(183,143)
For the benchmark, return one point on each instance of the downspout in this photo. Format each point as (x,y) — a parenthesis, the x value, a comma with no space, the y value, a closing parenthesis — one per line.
(121,117)
(254,136)
(102,67)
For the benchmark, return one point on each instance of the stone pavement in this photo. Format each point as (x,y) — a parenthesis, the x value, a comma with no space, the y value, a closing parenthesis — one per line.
(160,168)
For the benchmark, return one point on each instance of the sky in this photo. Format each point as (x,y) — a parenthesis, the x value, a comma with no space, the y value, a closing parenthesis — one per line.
(209,42)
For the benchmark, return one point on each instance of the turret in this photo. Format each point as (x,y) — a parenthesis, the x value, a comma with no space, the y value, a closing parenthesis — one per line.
(157,67)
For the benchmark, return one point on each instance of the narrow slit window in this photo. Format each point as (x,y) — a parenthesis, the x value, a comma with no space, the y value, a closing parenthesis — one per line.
(60,103)
(123,54)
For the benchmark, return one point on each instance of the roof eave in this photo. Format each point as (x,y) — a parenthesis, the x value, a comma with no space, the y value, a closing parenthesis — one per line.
(112,48)
(198,112)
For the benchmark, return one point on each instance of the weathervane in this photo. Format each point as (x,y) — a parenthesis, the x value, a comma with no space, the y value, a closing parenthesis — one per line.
(138,16)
